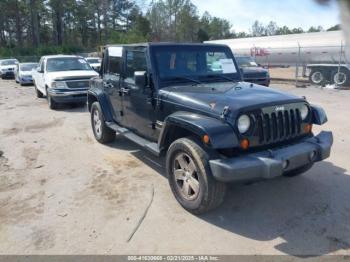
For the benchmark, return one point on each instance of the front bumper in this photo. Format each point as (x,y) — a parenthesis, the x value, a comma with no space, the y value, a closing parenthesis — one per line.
(68,96)
(10,74)
(26,80)
(272,163)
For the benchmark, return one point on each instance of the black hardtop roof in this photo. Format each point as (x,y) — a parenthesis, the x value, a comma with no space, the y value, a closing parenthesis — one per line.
(163,44)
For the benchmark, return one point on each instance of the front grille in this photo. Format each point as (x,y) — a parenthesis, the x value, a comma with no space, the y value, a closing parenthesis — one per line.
(273,125)
(78,84)
(277,126)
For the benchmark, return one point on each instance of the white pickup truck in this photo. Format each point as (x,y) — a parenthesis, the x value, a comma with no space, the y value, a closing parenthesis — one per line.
(62,79)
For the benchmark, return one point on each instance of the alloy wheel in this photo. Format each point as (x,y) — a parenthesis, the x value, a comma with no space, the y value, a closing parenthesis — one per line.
(97,123)
(186,176)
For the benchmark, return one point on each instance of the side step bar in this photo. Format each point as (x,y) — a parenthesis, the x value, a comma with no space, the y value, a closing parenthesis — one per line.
(150,146)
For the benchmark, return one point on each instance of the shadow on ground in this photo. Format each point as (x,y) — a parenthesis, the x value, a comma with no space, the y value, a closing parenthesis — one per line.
(72,108)
(309,214)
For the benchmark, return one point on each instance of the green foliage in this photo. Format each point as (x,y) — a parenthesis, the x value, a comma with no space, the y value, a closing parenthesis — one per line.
(334,28)
(313,29)
(36,27)
(40,51)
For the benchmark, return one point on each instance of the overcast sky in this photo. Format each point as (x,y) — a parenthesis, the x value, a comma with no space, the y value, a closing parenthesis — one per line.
(293,13)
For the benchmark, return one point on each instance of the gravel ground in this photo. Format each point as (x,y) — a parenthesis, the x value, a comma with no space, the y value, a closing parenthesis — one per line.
(63,193)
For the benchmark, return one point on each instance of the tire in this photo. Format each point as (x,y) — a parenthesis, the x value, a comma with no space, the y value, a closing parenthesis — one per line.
(341,78)
(299,171)
(37,92)
(317,77)
(103,134)
(194,186)
(52,104)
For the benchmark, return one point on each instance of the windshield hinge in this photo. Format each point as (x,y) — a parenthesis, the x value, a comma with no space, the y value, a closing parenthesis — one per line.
(225,112)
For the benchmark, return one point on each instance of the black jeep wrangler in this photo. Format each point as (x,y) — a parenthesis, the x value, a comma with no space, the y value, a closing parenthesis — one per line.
(172,100)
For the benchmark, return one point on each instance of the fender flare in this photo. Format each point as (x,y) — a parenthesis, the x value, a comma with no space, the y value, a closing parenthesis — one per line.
(221,134)
(98,95)
(319,116)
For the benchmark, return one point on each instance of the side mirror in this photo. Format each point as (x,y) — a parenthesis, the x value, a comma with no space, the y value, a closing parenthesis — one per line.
(140,79)
(38,69)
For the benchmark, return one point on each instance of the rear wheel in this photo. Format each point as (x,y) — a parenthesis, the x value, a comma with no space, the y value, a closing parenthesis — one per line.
(102,132)
(190,177)
(341,78)
(317,77)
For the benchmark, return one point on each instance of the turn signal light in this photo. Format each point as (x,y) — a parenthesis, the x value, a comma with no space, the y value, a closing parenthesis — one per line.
(206,139)
(244,144)
(307,128)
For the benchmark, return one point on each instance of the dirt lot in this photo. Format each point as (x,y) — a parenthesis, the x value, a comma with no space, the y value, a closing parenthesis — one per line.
(287,74)
(63,193)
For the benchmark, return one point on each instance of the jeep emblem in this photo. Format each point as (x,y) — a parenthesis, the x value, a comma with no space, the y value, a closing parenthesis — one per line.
(279,108)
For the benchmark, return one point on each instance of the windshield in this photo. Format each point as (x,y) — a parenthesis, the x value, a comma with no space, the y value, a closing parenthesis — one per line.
(9,62)
(93,60)
(67,64)
(246,61)
(194,63)
(27,67)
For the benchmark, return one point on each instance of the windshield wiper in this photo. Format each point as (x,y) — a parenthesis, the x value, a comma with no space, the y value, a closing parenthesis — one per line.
(223,77)
(186,78)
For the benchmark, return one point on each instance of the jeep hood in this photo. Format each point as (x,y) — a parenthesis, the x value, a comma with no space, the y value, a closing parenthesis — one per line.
(211,99)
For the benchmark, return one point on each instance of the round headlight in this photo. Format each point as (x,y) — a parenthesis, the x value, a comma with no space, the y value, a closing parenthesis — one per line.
(304,111)
(243,123)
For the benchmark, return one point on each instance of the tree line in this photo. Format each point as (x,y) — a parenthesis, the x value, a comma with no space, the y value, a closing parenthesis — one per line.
(39,27)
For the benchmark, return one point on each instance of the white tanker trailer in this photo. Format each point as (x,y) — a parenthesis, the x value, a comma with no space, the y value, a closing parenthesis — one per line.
(323,53)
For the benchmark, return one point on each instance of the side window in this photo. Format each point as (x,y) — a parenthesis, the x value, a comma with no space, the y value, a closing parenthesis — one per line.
(113,63)
(135,61)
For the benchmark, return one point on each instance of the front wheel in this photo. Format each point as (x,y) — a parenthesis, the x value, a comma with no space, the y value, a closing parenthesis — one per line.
(52,103)
(190,177)
(37,92)
(102,132)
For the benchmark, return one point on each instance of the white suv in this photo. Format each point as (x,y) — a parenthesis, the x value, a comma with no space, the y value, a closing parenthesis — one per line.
(95,62)
(7,68)
(63,79)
